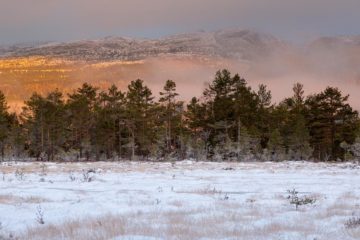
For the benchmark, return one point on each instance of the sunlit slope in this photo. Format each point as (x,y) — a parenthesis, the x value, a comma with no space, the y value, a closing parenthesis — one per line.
(20,77)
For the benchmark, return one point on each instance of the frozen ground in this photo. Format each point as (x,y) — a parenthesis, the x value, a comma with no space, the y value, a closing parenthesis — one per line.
(186,200)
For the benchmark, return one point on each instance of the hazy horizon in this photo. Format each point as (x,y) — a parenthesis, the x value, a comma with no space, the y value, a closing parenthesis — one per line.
(295,42)
(42,20)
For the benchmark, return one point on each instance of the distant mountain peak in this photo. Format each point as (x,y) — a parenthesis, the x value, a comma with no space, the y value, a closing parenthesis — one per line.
(236,43)
(231,43)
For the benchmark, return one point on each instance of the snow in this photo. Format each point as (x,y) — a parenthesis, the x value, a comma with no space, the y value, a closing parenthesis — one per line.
(249,198)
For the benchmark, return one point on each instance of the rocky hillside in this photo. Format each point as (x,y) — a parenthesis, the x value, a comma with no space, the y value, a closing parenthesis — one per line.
(235,44)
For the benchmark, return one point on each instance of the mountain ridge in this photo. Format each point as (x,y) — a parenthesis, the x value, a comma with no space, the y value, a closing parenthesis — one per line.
(238,44)
(235,44)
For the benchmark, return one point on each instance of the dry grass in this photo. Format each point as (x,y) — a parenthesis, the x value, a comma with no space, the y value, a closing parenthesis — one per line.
(339,208)
(8,199)
(208,190)
(176,203)
(102,228)
(184,224)
(12,200)
(180,224)
(305,228)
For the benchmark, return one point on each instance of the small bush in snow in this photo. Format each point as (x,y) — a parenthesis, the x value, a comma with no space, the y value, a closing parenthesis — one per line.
(226,197)
(299,201)
(210,190)
(228,169)
(91,170)
(88,175)
(43,169)
(72,177)
(19,174)
(353,222)
(40,215)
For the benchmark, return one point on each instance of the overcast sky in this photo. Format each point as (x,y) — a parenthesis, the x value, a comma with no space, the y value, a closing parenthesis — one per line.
(64,20)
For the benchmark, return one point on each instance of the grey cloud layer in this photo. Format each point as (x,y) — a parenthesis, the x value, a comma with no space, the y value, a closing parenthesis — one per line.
(32,20)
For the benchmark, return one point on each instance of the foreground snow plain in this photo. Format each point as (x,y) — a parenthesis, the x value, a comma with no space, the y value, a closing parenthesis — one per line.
(182,200)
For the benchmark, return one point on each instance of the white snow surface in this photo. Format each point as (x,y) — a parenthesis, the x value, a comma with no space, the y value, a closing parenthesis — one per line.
(239,200)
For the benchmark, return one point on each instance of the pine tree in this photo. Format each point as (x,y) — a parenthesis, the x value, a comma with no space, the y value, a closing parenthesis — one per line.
(172,114)
(289,118)
(331,121)
(45,125)
(110,117)
(229,105)
(195,116)
(196,126)
(276,146)
(300,137)
(221,116)
(80,109)
(4,124)
(263,114)
(17,137)
(34,125)
(299,145)
(55,124)
(141,117)
(245,104)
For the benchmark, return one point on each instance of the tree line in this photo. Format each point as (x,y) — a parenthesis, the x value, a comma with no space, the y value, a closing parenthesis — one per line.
(229,121)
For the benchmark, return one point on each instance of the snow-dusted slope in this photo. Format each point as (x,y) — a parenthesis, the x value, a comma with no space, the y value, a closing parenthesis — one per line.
(241,44)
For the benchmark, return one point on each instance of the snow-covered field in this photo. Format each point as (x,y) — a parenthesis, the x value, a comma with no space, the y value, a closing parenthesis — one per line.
(186,200)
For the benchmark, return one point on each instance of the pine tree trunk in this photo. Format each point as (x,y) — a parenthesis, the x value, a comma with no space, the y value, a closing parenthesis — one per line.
(131,130)
(333,132)
(49,146)
(132,145)
(169,136)
(42,133)
(2,152)
(238,139)
(120,139)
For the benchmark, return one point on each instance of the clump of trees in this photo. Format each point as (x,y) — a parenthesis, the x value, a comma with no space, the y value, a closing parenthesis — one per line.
(229,122)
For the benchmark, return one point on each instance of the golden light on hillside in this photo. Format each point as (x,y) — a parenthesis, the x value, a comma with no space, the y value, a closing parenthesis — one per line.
(20,77)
